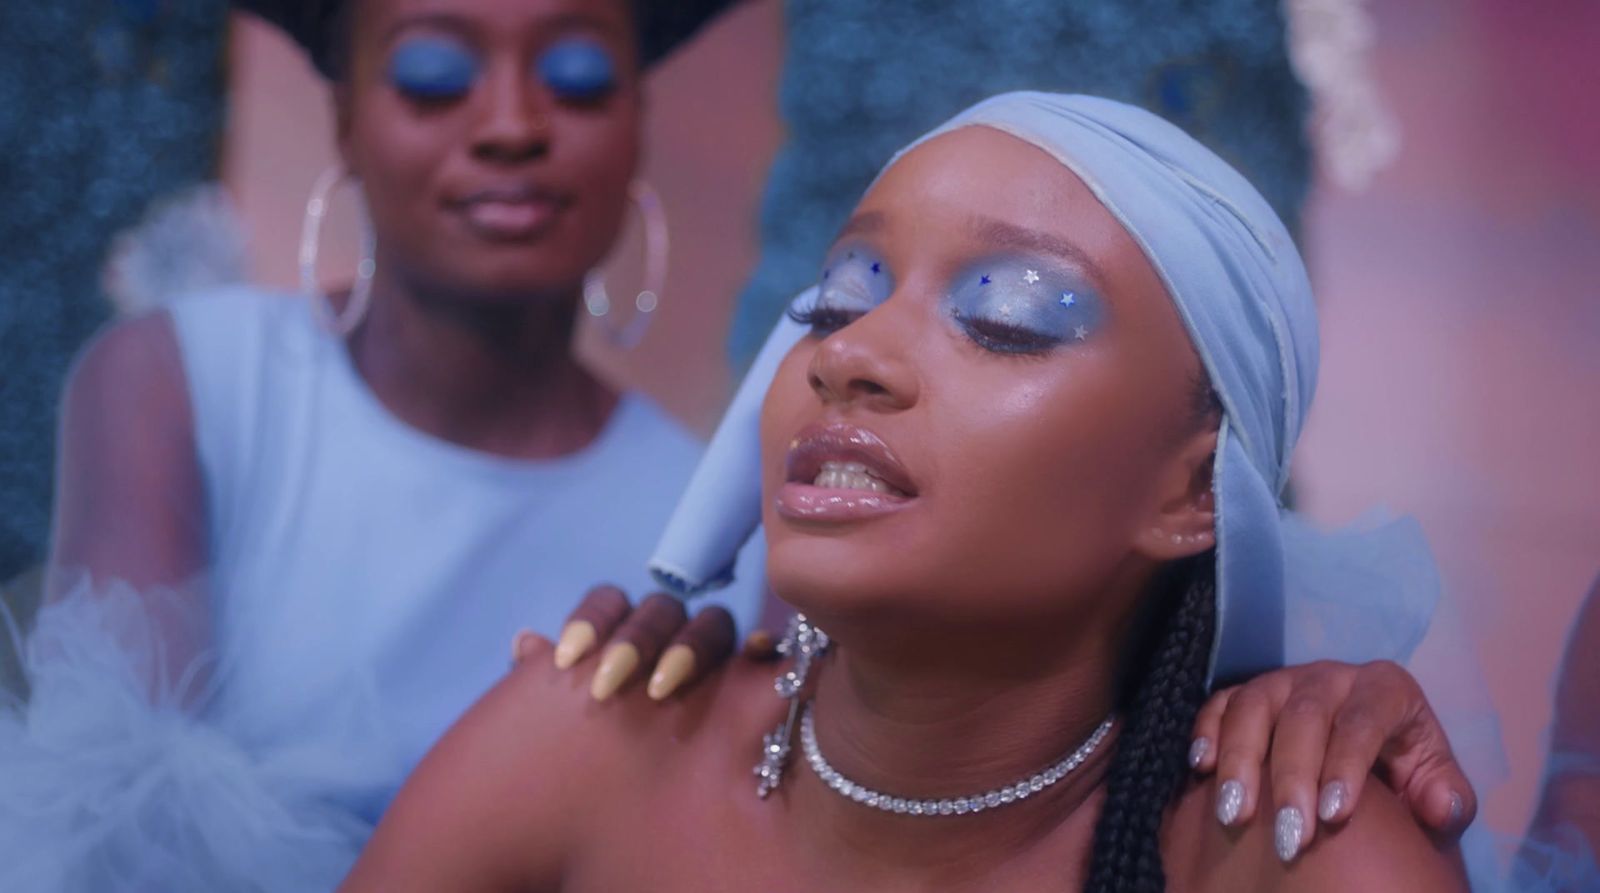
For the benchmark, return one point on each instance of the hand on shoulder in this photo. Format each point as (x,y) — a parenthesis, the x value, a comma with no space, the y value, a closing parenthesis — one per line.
(1380,847)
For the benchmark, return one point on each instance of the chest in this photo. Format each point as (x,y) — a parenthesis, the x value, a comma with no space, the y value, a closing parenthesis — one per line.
(689,839)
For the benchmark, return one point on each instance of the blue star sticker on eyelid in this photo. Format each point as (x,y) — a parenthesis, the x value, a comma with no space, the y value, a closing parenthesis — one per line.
(984,279)
(1068,299)
(877,267)
(1030,277)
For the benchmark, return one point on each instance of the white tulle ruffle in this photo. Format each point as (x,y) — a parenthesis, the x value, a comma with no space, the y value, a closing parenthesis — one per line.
(114,775)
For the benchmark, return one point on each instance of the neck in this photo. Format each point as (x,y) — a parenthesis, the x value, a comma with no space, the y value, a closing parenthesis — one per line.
(500,378)
(955,726)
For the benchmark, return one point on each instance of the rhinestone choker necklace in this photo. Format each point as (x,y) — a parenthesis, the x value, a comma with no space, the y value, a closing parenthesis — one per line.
(1011,793)
(806,643)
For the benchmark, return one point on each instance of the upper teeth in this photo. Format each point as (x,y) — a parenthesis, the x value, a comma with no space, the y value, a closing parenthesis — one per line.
(851,476)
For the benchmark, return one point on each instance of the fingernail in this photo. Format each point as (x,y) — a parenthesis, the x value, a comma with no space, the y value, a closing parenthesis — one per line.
(673,668)
(1230,800)
(1458,809)
(1197,751)
(519,645)
(576,640)
(1331,803)
(1288,832)
(616,666)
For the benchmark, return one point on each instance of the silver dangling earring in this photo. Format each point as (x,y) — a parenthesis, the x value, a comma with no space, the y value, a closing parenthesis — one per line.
(656,248)
(355,309)
(804,642)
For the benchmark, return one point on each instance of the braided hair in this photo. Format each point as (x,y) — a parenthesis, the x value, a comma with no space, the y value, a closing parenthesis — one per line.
(1164,686)
(1150,764)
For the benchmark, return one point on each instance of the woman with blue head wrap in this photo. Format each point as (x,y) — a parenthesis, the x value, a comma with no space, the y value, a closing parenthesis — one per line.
(1018,462)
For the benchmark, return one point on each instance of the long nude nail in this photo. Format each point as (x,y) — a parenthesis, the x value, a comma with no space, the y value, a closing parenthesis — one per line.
(1197,751)
(1331,803)
(1289,832)
(1230,800)
(671,671)
(576,640)
(618,663)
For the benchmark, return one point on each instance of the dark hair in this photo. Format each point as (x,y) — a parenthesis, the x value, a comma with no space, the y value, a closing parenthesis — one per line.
(323,27)
(1163,687)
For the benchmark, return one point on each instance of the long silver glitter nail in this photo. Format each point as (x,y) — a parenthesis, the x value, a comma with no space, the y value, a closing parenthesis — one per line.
(1197,751)
(1230,800)
(1288,832)
(1332,800)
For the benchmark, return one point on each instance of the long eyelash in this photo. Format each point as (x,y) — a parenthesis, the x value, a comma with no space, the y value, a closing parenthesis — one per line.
(999,337)
(823,319)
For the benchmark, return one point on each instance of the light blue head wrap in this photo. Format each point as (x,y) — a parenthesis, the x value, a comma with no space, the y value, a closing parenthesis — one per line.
(1238,282)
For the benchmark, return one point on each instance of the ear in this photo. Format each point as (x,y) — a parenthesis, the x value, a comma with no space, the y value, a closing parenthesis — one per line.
(1184,522)
(343,122)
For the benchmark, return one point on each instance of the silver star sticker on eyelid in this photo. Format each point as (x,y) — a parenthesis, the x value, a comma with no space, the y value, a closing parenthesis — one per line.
(1080,332)
(1068,299)
(1030,277)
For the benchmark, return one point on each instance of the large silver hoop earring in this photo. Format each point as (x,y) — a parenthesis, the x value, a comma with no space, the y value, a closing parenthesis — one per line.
(656,248)
(355,309)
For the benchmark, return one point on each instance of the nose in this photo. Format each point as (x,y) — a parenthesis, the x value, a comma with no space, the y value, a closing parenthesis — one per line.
(515,122)
(865,364)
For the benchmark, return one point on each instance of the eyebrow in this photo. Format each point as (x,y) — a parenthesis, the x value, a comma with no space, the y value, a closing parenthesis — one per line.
(864,224)
(443,21)
(448,21)
(1009,235)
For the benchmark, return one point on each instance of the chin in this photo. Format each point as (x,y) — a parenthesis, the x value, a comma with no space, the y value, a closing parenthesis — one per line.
(507,285)
(829,576)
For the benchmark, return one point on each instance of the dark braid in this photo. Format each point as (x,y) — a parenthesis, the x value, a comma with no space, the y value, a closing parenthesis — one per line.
(1166,684)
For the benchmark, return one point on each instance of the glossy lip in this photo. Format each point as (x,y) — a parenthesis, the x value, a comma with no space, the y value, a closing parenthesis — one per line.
(799,499)
(516,212)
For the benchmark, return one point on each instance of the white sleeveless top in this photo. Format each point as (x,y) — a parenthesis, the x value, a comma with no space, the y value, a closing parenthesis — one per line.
(348,545)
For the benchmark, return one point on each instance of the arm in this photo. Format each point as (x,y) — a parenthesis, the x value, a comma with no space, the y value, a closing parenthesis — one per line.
(1571,795)
(114,777)
(129,500)
(499,801)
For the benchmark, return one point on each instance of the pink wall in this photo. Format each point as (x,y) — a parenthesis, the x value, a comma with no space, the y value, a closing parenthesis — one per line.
(1461,333)
(1461,320)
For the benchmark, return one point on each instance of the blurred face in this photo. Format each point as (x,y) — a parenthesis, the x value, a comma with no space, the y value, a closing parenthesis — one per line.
(495,139)
(993,417)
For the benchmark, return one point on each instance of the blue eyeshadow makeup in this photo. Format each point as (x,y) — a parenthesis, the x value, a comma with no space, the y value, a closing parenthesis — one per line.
(433,68)
(855,280)
(578,68)
(1021,305)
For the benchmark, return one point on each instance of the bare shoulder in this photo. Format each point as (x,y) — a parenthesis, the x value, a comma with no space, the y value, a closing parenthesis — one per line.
(1380,848)
(535,772)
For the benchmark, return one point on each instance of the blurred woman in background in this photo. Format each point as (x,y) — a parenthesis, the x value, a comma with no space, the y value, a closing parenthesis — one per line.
(303,532)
